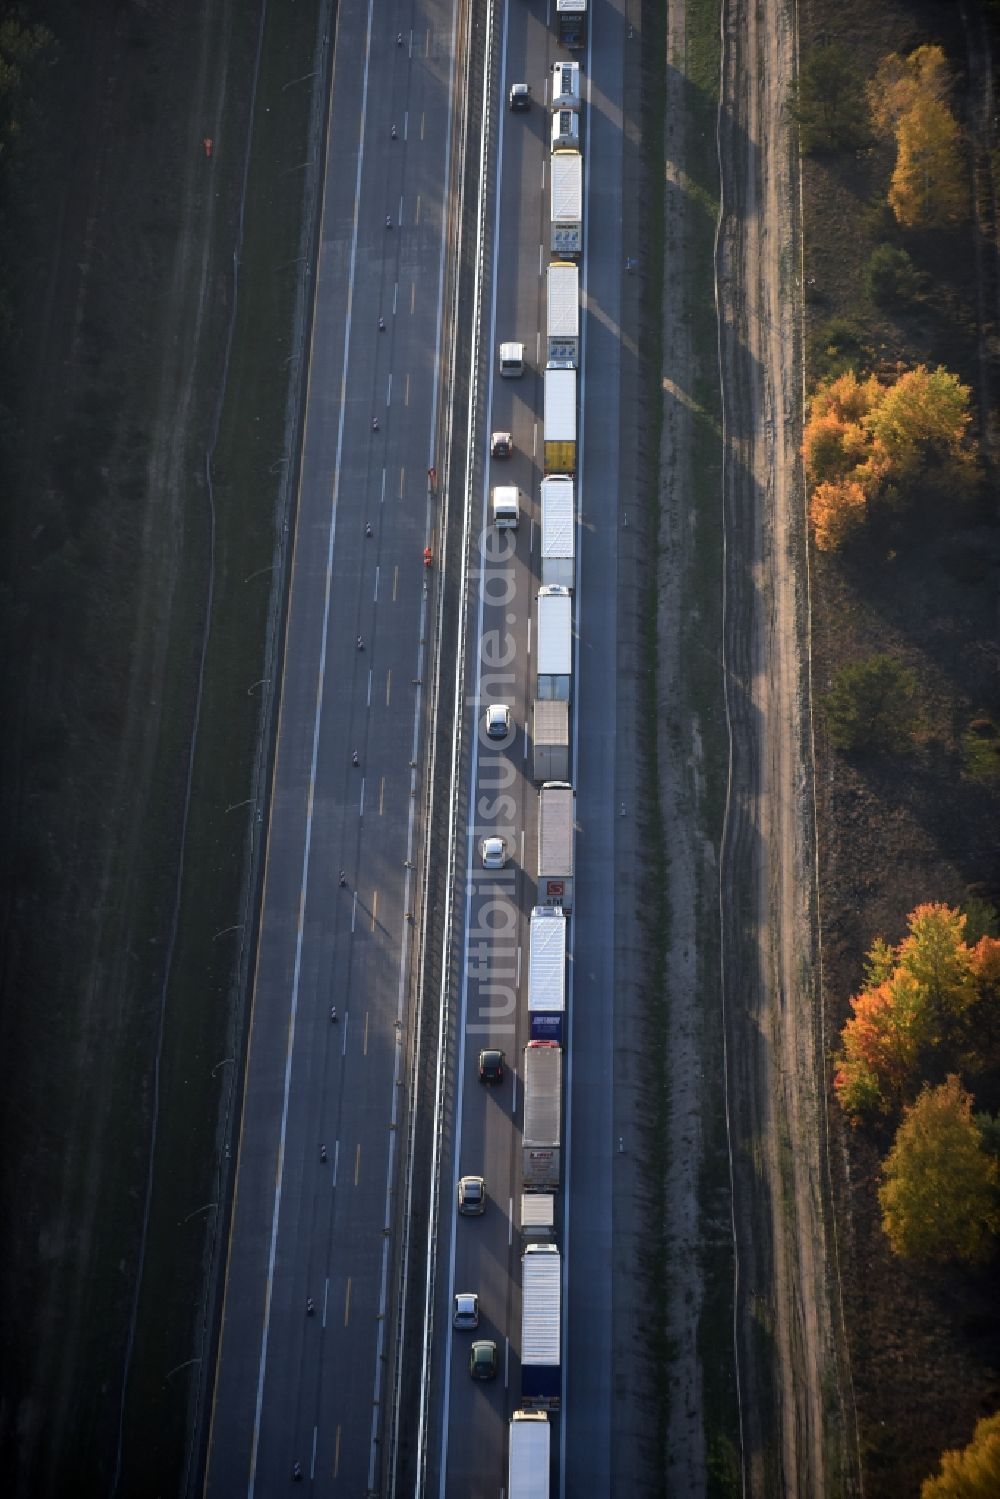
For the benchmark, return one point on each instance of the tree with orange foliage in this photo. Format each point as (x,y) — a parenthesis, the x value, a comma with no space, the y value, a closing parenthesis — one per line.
(881,1046)
(931,991)
(863,435)
(838,510)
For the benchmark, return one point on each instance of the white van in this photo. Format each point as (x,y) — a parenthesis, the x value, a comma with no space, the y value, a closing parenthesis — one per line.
(565,129)
(506,506)
(511,361)
(566,85)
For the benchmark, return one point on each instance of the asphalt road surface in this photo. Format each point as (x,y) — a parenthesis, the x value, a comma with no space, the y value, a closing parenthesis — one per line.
(291,1387)
(468,1446)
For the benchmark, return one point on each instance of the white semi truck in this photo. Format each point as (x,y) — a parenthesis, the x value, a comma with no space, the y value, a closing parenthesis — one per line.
(554,656)
(542,1133)
(547,973)
(559,422)
(562,315)
(566,201)
(556,817)
(529,1459)
(558,532)
(541,1375)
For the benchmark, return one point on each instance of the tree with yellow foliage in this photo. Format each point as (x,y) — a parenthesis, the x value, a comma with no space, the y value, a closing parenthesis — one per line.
(974,1471)
(923,415)
(929,188)
(902,84)
(939,1187)
(838,510)
(908,98)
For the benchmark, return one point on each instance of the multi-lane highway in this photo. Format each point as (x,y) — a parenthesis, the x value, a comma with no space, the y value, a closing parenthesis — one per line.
(290,1387)
(468,1448)
(294,1388)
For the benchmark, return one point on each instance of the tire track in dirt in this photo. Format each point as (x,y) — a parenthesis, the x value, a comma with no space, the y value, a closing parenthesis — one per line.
(793,1416)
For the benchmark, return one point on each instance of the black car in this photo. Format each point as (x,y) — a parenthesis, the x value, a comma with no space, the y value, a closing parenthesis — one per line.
(491,1066)
(520,96)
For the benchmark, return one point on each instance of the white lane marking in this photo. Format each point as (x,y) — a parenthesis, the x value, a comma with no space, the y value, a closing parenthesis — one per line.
(522,844)
(529,638)
(513,1095)
(401,210)
(541,262)
(326,1298)
(361,809)
(474,770)
(510,1221)
(417,711)
(506,1363)
(307,849)
(343,1044)
(534,439)
(369,703)
(571,966)
(312,1463)
(518,981)
(336,1160)
(374,601)
(538,347)
(395,294)
(406,123)
(354,910)
(388,393)
(382,496)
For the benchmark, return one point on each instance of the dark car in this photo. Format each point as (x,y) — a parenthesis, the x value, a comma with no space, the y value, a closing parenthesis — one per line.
(483,1359)
(491,1066)
(520,96)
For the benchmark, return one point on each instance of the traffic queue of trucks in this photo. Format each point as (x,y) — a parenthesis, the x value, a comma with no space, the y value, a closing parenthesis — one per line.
(541,1264)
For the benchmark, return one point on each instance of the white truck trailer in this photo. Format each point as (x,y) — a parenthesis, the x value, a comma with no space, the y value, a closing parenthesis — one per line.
(541,1375)
(538,1217)
(559,422)
(542,1132)
(550,740)
(554,656)
(566,201)
(547,973)
(529,1460)
(558,532)
(562,315)
(556,817)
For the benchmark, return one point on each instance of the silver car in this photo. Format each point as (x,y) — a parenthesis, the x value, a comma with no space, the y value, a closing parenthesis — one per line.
(472,1196)
(466,1315)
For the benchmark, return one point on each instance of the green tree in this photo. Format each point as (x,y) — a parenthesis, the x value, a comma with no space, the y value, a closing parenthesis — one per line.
(939,1186)
(973,1472)
(828,102)
(921,423)
(872,705)
(891,278)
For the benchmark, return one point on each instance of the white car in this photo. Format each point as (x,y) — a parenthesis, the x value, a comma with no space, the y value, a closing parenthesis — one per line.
(494,852)
(466,1314)
(497,721)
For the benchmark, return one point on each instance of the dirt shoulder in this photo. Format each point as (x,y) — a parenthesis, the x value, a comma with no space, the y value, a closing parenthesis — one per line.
(797,1419)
